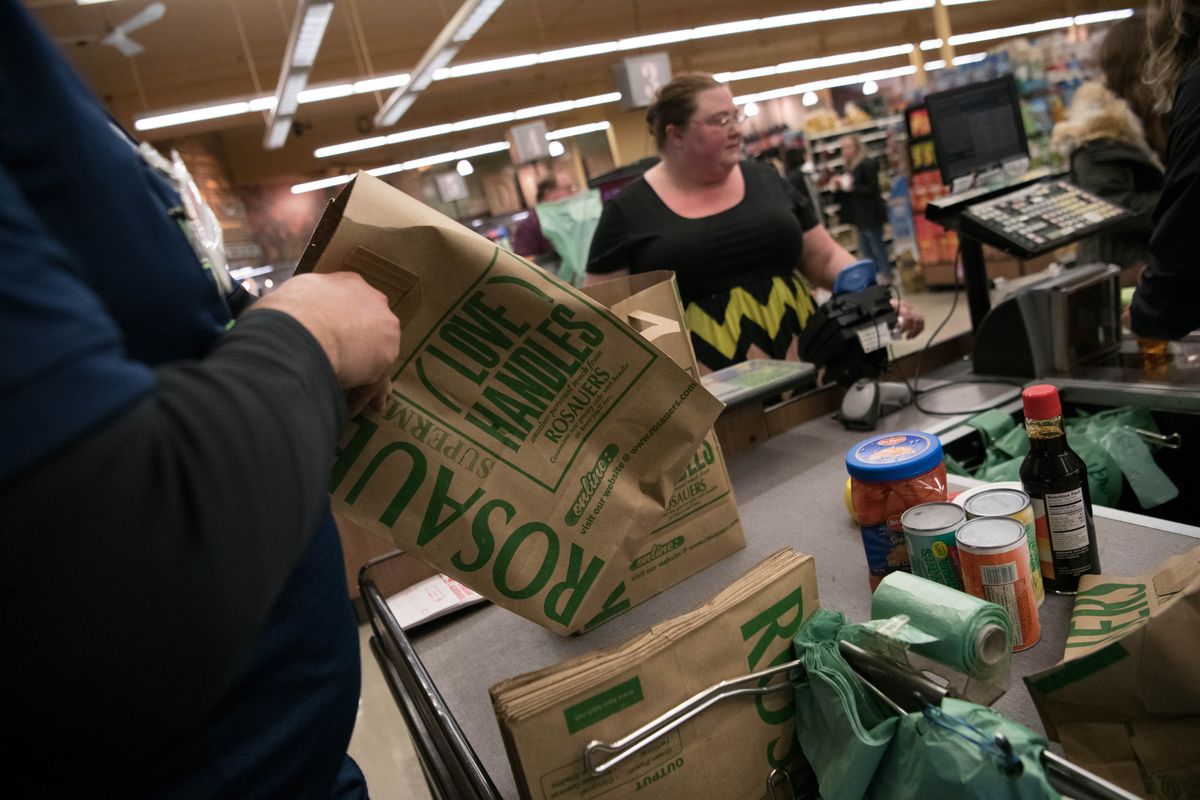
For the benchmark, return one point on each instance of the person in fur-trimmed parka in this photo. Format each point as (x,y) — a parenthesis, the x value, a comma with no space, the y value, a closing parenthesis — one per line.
(1109,157)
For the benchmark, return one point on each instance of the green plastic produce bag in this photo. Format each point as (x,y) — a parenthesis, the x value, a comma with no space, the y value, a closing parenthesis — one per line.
(858,748)
(569,225)
(934,755)
(843,731)
(1107,443)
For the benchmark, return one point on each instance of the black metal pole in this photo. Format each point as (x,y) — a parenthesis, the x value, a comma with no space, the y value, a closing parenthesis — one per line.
(975,275)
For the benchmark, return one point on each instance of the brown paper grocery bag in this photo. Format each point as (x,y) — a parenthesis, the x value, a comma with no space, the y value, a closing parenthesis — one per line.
(700,524)
(529,429)
(728,751)
(1125,700)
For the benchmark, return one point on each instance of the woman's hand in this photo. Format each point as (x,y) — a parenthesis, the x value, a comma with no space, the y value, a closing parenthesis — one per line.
(909,322)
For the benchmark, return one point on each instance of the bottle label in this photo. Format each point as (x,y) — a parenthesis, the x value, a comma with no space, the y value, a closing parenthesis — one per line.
(1067,521)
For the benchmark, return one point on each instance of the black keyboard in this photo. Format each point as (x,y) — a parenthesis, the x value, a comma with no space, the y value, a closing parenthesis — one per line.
(1040,218)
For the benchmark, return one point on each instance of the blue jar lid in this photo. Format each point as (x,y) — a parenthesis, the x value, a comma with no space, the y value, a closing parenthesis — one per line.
(894,456)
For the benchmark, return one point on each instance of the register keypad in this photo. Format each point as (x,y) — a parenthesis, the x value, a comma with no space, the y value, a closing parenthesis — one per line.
(1040,218)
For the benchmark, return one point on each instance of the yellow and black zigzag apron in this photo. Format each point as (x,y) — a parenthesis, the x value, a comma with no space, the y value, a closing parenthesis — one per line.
(759,320)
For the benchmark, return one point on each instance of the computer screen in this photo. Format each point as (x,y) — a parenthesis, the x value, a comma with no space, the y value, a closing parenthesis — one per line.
(976,127)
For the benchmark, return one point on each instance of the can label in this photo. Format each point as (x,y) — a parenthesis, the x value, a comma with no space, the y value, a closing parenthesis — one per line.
(886,551)
(935,557)
(1026,518)
(1042,537)
(1003,578)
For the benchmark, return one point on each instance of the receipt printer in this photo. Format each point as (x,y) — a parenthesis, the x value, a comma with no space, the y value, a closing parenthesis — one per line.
(1051,322)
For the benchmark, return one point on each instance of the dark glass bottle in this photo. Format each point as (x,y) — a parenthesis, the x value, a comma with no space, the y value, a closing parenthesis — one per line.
(1055,478)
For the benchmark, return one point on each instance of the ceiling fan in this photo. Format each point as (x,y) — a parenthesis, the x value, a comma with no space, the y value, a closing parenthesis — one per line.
(118,35)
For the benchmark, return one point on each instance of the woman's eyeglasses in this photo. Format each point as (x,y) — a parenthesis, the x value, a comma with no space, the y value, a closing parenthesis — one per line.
(725,119)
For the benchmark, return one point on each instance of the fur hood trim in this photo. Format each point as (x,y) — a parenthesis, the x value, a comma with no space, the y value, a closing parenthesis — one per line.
(1096,113)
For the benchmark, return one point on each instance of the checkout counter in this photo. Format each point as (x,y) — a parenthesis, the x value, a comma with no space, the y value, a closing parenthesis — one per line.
(787,463)
(789,489)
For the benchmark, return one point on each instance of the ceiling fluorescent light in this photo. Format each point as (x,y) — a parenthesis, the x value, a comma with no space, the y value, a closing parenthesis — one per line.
(382,82)
(598,99)
(262,104)
(91,2)
(318,93)
(190,115)
(379,172)
(481,122)
(420,133)
(577,130)
(654,39)
(465,23)
(1103,16)
(727,28)
(289,98)
(312,31)
(477,122)
(278,132)
(323,183)
(482,13)
(491,65)
(582,51)
(350,147)
(308,28)
(745,74)
(790,20)
(482,150)
(1014,30)
(543,110)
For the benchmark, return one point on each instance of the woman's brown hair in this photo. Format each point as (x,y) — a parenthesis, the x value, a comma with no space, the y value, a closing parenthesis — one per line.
(675,103)
(1174,34)
(1123,55)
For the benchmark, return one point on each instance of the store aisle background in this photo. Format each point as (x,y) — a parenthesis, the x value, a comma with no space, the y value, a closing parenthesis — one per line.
(382,745)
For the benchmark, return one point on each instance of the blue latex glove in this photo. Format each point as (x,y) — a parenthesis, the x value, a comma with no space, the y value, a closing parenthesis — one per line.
(855,278)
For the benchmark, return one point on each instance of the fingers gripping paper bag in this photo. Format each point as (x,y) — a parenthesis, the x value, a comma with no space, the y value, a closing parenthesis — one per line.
(529,430)
(700,523)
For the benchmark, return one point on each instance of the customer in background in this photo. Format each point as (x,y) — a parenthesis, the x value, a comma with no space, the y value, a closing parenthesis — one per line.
(1166,304)
(1109,157)
(1122,58)
(528,241)
(1105,142)
(733,230)
(176,614)
(862,205)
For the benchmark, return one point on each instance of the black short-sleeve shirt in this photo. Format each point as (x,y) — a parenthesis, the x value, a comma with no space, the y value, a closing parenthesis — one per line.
(760,237)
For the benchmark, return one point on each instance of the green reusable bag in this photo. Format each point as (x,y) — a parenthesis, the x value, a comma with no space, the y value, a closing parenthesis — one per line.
(569,225)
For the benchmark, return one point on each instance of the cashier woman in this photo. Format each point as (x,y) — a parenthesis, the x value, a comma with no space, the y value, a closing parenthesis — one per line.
(1166,304)
(732,229)
(176,615)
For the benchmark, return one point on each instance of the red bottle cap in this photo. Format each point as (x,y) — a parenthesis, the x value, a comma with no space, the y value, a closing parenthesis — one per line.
(1041,402)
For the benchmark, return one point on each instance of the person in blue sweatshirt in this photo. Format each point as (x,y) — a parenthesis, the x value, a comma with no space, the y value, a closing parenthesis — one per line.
(176,615)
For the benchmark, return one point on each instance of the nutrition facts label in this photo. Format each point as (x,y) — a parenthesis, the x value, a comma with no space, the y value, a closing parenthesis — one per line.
(1067,521)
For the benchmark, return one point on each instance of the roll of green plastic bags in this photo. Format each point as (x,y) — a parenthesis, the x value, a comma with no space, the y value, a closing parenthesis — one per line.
(962,627)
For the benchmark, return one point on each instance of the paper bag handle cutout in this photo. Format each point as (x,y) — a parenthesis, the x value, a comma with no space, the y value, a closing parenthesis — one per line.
(402,287)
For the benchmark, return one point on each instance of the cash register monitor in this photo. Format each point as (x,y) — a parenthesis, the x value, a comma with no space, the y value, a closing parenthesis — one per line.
(976,127)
